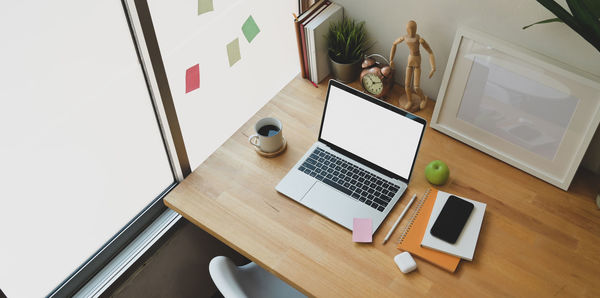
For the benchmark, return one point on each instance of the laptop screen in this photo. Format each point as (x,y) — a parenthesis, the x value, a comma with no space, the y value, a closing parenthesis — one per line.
(375,131)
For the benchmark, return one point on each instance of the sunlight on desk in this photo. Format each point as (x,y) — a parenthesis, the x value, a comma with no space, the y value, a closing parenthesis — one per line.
(535,238)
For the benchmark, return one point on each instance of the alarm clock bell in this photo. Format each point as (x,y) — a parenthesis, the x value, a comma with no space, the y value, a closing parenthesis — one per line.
(377,76)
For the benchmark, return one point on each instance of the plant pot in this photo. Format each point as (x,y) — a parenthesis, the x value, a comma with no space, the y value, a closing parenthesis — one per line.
(345,72)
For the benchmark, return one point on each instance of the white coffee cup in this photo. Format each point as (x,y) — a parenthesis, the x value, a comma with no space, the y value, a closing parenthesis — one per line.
(267,142)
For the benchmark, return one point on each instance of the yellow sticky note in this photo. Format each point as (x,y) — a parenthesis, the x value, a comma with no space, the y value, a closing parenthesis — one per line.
(233,52)
(205,6)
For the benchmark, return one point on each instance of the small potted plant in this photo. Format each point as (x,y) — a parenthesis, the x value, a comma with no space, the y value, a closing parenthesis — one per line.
(347,44)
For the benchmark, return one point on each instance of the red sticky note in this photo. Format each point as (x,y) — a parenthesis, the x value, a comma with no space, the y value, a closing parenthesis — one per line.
(192,78)
(362,230)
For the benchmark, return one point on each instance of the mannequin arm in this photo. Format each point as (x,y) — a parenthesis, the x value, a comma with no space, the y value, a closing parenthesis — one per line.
(431,56)
(393,51)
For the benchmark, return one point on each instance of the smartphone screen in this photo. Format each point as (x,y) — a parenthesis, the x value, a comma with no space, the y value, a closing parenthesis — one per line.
(452,219)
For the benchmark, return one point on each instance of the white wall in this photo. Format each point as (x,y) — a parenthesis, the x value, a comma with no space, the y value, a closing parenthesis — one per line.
(228,95)
(437,23)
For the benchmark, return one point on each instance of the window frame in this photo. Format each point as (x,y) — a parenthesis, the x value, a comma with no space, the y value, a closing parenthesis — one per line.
(122,250)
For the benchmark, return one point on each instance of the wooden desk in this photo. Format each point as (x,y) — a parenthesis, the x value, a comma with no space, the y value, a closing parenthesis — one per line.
(536,239)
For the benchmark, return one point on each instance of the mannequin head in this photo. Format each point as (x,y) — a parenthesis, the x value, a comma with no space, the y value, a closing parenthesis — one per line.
(411,28)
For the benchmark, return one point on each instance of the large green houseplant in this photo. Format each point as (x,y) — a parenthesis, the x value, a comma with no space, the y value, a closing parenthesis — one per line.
(583,19)
(347,44)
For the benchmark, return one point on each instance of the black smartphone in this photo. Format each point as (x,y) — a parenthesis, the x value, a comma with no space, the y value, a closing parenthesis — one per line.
(452,219)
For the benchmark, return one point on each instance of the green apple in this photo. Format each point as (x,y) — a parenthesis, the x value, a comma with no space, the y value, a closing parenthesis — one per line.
(437,172)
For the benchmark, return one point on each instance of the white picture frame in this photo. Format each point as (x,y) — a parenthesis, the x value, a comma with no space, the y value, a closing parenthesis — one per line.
(534,113)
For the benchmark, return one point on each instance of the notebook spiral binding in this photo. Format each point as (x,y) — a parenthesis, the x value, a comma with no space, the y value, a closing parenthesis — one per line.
(414,216)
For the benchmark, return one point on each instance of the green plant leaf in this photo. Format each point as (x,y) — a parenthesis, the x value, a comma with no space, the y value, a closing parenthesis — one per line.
(561,13)
(347,41)
(571,21)
(584,16)
(594,7)
(544,22)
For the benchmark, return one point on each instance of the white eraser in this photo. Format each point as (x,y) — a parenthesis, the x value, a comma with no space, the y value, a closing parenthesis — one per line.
(405,262)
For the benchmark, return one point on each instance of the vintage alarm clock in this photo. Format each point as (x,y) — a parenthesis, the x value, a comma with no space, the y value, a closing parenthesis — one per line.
(376,77)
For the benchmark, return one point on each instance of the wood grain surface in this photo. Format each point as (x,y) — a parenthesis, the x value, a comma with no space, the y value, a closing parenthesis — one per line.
(536,240)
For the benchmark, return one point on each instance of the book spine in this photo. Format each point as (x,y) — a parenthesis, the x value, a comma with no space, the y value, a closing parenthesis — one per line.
(312,52)
(305,21)
(299,42)
(304,52)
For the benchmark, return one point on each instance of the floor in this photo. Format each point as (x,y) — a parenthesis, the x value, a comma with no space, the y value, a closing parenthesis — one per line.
(179,267)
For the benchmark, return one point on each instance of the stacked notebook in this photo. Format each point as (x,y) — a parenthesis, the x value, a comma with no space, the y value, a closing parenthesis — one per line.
(416,237)
(311,34)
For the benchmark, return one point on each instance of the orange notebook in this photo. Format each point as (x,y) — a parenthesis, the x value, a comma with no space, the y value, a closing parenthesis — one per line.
(413,234)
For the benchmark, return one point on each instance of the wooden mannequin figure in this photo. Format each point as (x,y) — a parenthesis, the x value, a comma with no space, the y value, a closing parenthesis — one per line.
(413,67)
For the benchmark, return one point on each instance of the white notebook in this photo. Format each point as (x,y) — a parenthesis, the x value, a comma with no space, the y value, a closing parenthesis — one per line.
(316,40)
(464,247)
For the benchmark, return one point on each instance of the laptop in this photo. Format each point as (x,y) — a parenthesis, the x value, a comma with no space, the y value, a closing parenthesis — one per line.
(362,162)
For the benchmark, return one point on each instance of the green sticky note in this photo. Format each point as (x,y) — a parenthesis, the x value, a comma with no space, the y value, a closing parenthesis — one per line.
(250,29)
(205,6)
(233,51)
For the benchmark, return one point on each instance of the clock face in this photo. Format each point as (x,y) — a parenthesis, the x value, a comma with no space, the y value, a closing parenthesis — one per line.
(372,83)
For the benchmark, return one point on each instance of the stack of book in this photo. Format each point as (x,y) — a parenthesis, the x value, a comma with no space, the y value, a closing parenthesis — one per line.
(311,34)
(418,240)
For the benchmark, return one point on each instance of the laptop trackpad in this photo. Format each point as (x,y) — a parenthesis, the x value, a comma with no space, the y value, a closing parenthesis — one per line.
(333,204)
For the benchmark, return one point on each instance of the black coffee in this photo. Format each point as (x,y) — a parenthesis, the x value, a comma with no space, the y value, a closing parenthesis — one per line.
(268,130)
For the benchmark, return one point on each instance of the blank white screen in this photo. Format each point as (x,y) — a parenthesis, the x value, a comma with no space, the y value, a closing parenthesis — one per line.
(372,132)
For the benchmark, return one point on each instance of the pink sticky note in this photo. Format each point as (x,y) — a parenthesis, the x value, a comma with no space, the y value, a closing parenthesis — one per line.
(362,230)
(192,78)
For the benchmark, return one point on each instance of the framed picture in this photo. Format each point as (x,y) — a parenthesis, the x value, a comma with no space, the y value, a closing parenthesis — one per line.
(523,108)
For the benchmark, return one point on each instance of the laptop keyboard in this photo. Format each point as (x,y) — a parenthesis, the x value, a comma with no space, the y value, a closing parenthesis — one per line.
(362,185)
